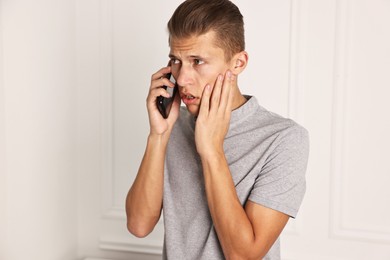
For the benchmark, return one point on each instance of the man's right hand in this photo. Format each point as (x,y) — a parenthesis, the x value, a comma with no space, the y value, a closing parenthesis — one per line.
(158,124)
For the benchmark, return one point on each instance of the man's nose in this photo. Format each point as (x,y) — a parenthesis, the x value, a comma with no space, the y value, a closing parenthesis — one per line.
(184,76)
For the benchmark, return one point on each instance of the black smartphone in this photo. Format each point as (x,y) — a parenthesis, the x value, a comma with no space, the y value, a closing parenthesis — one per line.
(164,104)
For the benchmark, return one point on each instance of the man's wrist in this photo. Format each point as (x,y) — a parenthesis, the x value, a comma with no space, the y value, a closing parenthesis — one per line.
(212,155)
(158,139)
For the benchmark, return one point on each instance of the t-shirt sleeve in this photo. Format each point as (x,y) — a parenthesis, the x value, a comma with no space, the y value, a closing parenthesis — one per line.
(281,183)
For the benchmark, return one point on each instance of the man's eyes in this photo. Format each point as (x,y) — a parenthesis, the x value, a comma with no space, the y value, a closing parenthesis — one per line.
(198,61)
(175,61)
(194,61)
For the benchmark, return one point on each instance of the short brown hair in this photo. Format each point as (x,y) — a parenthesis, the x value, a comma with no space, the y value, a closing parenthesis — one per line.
(197,17)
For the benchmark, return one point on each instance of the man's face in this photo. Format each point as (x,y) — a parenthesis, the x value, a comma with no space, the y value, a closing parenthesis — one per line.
(196,62)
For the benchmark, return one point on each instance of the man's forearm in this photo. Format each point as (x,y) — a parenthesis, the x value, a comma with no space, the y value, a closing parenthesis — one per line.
(144,200)
(233,227)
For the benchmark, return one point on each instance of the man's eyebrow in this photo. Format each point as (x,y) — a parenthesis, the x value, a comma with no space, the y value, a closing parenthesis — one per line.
(172,56)
(196,57)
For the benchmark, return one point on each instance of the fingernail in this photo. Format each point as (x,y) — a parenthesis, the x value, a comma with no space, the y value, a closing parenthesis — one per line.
(220,77)
(229,74)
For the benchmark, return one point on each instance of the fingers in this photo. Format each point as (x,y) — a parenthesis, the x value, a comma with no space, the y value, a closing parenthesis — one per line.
(216,95)
(229,104)
(226,93)
(219,99)
(175,107)
(222,93)
(158,80)
(205,101)
(161,73)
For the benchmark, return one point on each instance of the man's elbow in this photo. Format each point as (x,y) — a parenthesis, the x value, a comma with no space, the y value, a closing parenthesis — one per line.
(241,256)
(250,253)
(138,229)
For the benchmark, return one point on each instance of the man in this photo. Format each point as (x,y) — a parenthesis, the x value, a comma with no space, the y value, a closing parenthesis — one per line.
(227,172)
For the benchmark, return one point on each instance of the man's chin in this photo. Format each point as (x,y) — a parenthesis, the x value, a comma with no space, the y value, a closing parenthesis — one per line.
(193,110)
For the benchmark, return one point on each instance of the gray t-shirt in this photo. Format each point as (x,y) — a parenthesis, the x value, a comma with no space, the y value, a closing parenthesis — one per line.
(267,156)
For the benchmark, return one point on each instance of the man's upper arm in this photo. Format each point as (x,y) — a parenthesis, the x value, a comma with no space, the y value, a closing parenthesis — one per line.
(279,189)
(267,225)
(281,184)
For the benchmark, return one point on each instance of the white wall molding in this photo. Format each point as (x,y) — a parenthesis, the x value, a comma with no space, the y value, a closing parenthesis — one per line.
(92,258)
(3,161)
(339,228)
(296,84)
(135,246)
(112,214)
(297,58)
(106,87)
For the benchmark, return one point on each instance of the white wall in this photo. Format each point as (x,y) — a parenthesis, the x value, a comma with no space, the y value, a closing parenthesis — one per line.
(38,121)
(3,186)
(73,82)
(323,63)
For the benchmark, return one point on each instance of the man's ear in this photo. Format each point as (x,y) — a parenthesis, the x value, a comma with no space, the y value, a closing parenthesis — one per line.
(239,62)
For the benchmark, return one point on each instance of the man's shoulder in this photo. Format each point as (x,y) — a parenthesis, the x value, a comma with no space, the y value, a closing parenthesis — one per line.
(253,117)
